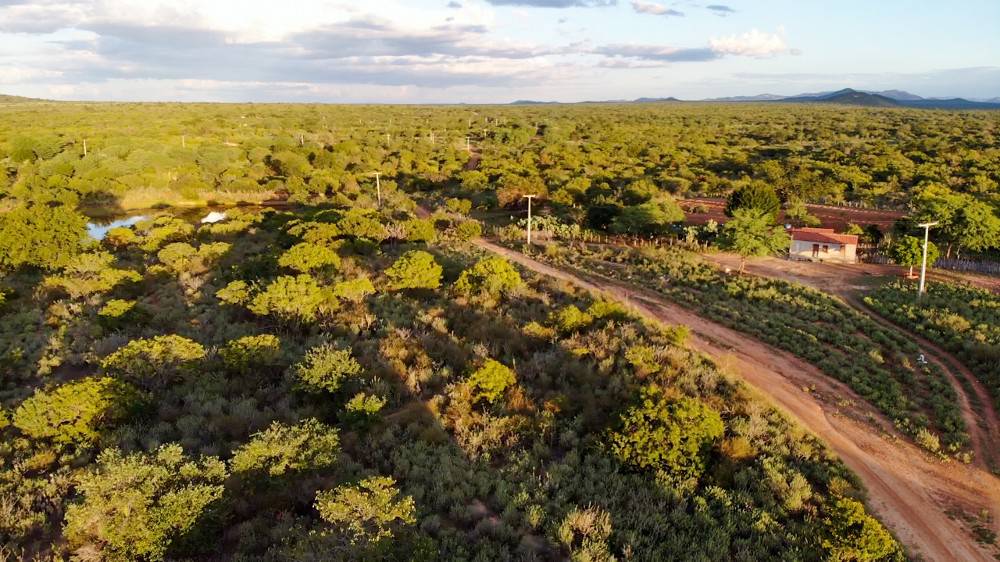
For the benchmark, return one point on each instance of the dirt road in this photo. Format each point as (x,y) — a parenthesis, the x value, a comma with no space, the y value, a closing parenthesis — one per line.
(908,491)
(849,282)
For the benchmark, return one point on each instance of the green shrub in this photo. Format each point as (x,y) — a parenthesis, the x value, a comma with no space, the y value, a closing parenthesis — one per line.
(294,299)
(419,230)
(569,319)
(667,433)
(360,223)
(415,269)
(363,407)
(493,276)
(250,352)
(280,449)
(155,361)
(460,206)
(369,512)
(90,274)
(325,368)
(41,235)
(182,257)
(354,290)
(236,292)
(137,507)
(854,535)
(306,256)
(116,308)
(75,412)
(490,381)
(468,229)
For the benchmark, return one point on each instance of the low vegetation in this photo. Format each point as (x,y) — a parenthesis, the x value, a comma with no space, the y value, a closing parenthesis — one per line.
(963,319)
(410,399)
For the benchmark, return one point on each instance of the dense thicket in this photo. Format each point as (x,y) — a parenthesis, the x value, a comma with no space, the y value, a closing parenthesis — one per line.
(243,396)
(617,166)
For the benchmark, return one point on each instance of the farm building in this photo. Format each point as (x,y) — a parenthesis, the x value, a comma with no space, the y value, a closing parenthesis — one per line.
(822,244)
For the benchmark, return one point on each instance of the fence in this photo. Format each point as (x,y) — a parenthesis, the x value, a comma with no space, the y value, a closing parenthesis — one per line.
(589,237)
(871,254)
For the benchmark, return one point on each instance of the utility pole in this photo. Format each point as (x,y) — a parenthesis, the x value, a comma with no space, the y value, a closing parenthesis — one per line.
(529,197)
(468,146)
(378,189)
(84,148)
(923,265)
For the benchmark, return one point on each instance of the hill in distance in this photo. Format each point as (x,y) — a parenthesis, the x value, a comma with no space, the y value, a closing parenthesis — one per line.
(4,98)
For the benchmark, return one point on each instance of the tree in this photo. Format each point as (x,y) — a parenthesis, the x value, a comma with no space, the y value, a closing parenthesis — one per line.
(419,230)
(909,251)
(74,413)
(89,274)
(354,290)
(798,214)
(667,433)
(251,352)
(490,381)
(977,226)
(652,217)
(154,361)
(325,368)
(755,195)
(280,449)
(368,512)
(305,257)
(41,235)
(493,276)
(236,292)
(752,233)
(468,229)
(293,299)
(137,507)
(415,269)
(360,223)
(855,536)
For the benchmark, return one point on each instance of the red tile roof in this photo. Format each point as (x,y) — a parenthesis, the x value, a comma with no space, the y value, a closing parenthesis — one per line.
(823,236)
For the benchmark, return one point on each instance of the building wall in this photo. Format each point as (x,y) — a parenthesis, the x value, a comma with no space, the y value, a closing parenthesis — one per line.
(840,253)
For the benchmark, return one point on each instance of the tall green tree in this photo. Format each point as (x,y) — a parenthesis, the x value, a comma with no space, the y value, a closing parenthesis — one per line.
(909,251)
(752,232)
(40,234)
(755,195)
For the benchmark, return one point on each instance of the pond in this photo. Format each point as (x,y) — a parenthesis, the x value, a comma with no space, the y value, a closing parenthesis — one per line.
(99,229)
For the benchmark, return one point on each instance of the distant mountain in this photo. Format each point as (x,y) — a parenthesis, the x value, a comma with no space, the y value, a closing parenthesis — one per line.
(847,96)
(532,102)
(654,100)
(4,98)
(886,98)
(758,97)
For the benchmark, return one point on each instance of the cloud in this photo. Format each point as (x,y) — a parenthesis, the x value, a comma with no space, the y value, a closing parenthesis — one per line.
(453,5)
(555,3)
(753,43)
(720,9)
(653,8)
(658,53)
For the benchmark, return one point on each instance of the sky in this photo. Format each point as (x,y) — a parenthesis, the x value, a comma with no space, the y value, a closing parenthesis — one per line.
(492,51)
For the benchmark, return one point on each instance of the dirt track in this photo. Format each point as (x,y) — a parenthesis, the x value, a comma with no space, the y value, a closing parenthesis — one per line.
(908,491)
(848,282)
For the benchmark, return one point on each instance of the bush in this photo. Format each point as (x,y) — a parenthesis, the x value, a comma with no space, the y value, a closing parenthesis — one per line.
(89,274)
(419,230)
(75,412)
(368,512)
(359,223)
(467,230)
(182,257)
(294,299)
(280,449)
(490,381)
(569,319)
(362,407)
(40,235)
(325,368)
(155,361)
(236,292)
(306,256)
(493,276)
(854,535)
(243,354)
(137,507)
(354,290)
(460,206)
(667,433)
(415,269)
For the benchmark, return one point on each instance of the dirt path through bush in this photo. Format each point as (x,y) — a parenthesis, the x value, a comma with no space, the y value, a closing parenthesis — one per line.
(908,490)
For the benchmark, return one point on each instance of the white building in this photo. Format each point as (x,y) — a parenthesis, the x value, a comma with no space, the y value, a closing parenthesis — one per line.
(822,244)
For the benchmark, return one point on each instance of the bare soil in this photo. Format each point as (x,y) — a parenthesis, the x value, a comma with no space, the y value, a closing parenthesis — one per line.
(830,216)
(910,491)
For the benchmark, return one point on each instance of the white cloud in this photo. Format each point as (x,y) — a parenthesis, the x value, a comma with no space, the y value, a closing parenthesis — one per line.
(654,9)
(753,43)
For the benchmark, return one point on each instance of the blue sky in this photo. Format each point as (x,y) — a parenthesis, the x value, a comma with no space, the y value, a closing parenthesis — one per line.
(483,51)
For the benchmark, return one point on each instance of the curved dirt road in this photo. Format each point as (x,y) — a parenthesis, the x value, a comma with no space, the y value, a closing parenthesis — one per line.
(848,282)
(908,491)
